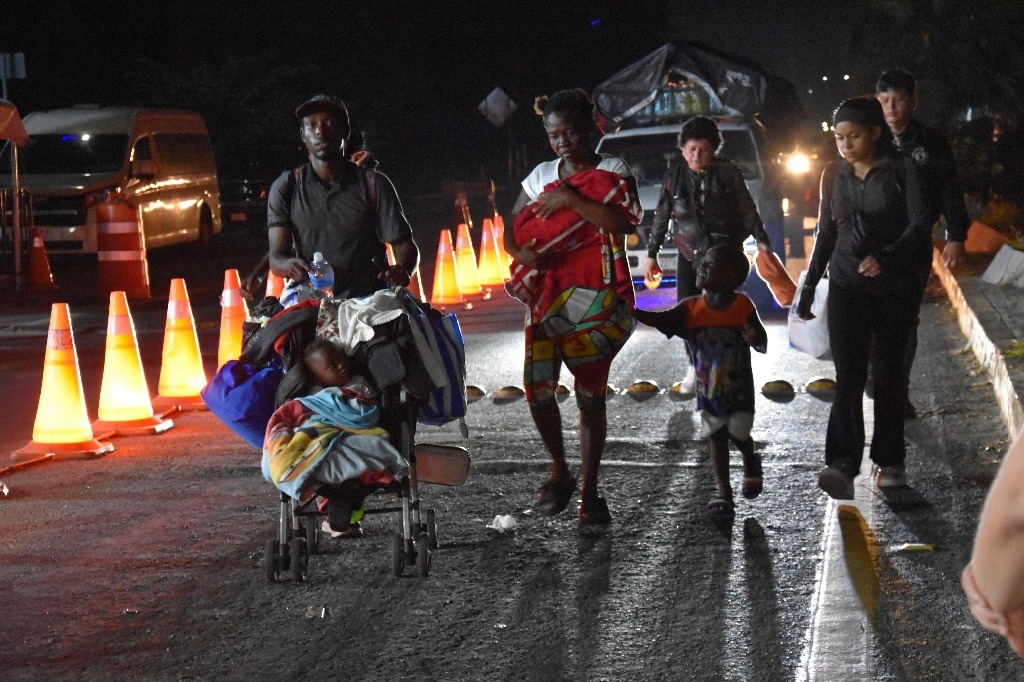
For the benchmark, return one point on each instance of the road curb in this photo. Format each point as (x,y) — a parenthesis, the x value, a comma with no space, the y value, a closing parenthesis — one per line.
(984,328)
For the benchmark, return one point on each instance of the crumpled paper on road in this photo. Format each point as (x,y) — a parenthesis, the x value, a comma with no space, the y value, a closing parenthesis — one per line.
(503,523)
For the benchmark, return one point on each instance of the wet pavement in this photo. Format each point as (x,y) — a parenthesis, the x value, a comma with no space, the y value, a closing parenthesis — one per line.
(815,590)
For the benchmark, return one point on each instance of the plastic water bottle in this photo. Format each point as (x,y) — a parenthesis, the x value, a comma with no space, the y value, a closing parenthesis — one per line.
(322,276)
(653,281)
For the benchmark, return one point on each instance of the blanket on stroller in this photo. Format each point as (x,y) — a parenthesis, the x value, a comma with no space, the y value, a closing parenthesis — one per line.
(328,437)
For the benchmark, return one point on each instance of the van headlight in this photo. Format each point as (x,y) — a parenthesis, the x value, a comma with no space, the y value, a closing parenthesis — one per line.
(798,163)
(99,196)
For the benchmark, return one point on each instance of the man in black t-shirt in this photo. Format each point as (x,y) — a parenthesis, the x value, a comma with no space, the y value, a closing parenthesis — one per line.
(333,206)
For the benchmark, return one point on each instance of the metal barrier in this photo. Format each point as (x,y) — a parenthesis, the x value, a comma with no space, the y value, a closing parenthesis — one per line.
(8,261)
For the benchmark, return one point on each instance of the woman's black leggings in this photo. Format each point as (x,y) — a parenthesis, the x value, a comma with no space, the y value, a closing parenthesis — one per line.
(853,318)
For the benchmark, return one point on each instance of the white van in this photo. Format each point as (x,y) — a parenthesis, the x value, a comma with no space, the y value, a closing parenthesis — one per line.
(159,160)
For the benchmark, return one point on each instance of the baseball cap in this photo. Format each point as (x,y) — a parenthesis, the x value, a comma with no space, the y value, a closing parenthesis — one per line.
(322,103)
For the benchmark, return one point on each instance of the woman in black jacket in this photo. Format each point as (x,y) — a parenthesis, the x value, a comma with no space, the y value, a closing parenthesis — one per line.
(708,202)
(872,223)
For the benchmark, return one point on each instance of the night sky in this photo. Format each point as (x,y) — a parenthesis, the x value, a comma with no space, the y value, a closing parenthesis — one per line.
(417,69)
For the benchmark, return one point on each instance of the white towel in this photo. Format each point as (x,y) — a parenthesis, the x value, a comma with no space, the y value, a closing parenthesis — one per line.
(356,317)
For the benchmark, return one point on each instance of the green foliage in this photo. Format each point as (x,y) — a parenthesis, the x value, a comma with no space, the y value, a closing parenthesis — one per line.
(1015,351)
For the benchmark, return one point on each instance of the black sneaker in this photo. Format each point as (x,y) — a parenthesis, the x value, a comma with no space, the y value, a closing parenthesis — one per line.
(339,515)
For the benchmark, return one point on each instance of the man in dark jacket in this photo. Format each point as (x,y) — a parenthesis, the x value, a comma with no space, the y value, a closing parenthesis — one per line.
(896,91)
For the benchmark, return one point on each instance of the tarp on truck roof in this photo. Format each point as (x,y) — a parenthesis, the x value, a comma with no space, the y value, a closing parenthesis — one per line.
(728,85)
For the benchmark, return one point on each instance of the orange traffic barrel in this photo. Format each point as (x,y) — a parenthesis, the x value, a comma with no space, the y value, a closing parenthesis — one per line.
(121,250)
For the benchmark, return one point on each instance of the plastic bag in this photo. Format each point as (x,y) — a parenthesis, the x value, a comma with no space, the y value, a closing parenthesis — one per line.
(242,396)
(770,269)
(811,336)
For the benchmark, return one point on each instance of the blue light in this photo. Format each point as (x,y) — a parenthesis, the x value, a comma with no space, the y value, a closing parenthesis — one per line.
(595,22)
(68,138)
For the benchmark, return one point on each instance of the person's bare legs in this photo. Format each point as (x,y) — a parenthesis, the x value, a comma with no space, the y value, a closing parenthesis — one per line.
(548,419)
(593,432)
(752,474)
(718,447)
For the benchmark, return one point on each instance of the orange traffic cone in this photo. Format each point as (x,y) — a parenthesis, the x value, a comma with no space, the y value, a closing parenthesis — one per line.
(414,288)
(275,284)
(490,267)
(124,394)
(232,315)
(499,239)
(39,276)
(465,262)
(181,374)
(62,423)
(446,277)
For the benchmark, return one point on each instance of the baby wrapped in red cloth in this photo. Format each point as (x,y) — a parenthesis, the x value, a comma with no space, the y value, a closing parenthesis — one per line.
(583,256)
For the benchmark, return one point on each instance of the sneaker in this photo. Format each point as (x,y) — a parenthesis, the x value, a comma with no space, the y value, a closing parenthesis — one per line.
(891,477)
(354,530)
(688,386)
(836,483)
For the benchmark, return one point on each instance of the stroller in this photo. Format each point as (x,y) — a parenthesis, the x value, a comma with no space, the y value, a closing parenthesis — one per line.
(393,359)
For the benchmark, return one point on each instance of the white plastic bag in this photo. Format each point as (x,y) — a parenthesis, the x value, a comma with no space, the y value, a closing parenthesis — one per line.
(811,336)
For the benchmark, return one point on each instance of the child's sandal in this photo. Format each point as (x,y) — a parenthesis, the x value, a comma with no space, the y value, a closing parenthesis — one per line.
(721,507)
(751,487)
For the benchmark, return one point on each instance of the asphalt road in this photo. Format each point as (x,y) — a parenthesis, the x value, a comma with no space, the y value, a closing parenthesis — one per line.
(148,563)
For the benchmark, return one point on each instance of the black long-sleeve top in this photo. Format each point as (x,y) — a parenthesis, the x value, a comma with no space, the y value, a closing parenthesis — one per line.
(885,215)
(933,157)
(728,212)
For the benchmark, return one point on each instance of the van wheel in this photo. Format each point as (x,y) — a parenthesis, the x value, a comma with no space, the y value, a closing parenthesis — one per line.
(205,227)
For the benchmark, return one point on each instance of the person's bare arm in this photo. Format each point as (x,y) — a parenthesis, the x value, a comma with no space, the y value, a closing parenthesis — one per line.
(282,262)
(407,260)
(607,216)
(993,580)
(524,253)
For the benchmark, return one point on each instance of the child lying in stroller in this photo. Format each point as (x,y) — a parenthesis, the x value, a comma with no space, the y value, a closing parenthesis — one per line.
(328,442)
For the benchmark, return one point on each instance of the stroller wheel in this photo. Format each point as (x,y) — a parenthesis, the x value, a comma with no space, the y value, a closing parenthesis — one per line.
(311,524)
(398,554)
(272,560)
(430,526)
(299,559)
(423,555)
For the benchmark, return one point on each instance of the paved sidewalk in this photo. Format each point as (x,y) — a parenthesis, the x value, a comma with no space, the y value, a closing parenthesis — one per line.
(992,319)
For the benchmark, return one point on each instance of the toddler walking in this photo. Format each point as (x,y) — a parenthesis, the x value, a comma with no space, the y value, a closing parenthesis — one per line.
(720,326)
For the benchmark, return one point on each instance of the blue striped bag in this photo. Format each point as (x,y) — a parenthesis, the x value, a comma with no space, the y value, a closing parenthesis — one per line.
(445,403)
